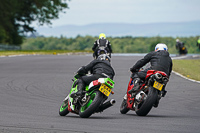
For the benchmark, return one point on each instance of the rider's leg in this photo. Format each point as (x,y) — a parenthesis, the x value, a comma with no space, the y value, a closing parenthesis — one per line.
(138,77)
(136,82)
(85,80)
(80,87)
(95,54)
(88,79)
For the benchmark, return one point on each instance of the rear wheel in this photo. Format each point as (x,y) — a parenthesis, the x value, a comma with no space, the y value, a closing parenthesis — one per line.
(64,108)
(92,105)
(144,107)
(123,107)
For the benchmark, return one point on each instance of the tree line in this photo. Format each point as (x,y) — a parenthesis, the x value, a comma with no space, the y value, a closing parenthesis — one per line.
(16,17)
(125,44)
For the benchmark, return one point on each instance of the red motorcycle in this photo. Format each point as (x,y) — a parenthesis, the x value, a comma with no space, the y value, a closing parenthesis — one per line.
(150,92)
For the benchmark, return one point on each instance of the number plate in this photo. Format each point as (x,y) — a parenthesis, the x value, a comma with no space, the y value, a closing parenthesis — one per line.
(158,85)
(105,90)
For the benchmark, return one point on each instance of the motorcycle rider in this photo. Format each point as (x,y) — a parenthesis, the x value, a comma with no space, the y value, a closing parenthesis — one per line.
(100,68)
(159,60)
(180,47)
(102,42)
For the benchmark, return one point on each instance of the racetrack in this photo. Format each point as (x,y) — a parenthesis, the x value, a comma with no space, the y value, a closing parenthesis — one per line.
(32,89)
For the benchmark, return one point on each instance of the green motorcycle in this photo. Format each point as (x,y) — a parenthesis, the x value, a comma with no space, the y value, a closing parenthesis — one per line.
(92,100)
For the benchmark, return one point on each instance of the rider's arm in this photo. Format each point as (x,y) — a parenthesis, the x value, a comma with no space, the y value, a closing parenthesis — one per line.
(141,62)
(85,69)
(90,65)
(82,70)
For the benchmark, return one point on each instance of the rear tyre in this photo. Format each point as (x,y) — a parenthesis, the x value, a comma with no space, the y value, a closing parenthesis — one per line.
(145,107)
(64,109)
(92,105)
(123,107)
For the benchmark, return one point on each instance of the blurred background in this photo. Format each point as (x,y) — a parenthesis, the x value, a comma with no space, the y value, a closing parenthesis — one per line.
(131,26)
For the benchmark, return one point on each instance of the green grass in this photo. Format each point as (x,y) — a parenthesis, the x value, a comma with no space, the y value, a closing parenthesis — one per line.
(42,52)
(188,68)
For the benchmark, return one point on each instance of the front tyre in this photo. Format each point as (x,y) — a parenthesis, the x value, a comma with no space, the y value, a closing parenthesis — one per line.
(64,109)
(92,105)
(123,107)
(145,107)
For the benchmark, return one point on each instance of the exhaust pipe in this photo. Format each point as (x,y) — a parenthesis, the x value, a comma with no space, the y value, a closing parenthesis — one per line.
(106,105)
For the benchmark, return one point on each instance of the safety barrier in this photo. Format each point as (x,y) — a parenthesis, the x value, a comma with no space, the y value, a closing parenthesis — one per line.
(9,47)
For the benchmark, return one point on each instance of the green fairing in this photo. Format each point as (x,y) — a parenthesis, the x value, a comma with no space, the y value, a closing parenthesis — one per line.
(73,89)
(63,108)
(108,79)
(87,88)
(92,94)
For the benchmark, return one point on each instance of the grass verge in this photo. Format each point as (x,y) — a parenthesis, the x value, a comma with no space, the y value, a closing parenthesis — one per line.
(188,68)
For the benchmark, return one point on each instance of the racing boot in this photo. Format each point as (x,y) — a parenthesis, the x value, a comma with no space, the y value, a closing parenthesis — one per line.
(136,86)
(80,88)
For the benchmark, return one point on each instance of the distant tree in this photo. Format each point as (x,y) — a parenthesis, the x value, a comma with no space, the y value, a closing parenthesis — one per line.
(17,15)
(119,45)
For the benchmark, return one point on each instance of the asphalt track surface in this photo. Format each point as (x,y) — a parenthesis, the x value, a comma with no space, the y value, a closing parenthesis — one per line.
(32,89)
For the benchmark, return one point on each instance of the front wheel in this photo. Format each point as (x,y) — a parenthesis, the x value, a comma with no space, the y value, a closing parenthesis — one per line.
(64,108)
(92,105)
(123,107)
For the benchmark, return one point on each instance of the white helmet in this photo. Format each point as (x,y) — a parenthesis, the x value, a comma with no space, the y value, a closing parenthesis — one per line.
(161,46)
(177,40)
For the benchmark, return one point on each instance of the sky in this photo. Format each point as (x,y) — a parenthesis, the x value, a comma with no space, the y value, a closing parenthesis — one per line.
(84,12)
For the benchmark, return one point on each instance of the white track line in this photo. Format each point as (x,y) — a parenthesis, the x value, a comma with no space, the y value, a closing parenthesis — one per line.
(185,77)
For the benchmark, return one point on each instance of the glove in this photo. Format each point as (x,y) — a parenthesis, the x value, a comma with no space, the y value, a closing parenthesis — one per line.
(133,70)
(81,71)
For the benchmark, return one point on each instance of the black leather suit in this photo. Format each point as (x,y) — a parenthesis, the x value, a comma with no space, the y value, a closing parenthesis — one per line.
(99,69)
(159,60)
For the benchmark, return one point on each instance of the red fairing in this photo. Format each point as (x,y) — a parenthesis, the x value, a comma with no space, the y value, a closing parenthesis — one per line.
(95,82)
(163,73)
(69,109)
(150,72)
(130,86)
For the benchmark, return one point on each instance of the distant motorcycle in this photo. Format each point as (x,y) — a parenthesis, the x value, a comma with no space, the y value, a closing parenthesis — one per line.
(183,50)
(150,92)
(92,100)
(100,51)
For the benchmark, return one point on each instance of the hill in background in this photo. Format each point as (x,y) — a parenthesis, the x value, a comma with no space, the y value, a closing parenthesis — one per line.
(182,29)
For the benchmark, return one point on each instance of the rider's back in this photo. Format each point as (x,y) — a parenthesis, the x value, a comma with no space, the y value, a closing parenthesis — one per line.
(160,60)
(99,67)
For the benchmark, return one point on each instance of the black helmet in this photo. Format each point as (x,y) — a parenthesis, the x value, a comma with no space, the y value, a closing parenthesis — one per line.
(103,57)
